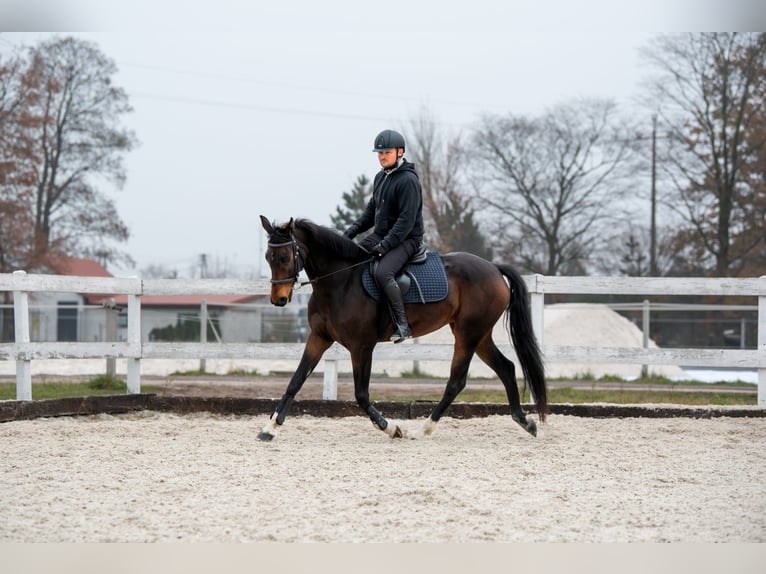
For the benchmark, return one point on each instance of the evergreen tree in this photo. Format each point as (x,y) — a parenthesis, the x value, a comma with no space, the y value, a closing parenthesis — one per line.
(454,222)
(354,202)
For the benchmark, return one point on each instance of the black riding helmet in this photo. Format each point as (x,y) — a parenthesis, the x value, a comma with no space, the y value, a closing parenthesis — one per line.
(388,139)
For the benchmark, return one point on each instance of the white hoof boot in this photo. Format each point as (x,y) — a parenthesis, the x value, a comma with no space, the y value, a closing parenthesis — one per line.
(426,429)
(270,430)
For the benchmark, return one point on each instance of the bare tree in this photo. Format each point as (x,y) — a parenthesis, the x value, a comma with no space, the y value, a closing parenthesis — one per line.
(551,183)
(80,146)
(711,90)
(441,165)
(158,271)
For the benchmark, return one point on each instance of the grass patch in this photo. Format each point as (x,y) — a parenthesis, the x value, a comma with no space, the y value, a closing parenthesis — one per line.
(650,396)
(243,373)
(232,372)
(417,374)
(652,380)
(107,383)
(98,386)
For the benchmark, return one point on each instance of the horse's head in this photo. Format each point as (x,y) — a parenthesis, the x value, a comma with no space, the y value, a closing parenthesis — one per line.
(284,258)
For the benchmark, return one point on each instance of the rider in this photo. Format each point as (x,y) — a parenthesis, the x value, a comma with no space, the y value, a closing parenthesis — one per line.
(395,212)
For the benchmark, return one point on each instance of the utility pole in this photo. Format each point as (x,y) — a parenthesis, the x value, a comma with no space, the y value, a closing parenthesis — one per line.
(203,266)
(653,226)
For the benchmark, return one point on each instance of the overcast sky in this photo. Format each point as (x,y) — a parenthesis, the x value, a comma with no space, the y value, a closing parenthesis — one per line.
(249,108)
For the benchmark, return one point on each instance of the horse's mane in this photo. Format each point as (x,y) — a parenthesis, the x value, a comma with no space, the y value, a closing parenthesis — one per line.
(331,240)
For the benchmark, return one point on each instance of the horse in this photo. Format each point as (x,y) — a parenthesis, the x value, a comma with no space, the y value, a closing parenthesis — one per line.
(340,310)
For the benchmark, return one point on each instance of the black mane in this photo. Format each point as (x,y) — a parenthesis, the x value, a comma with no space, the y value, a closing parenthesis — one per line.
(331,240)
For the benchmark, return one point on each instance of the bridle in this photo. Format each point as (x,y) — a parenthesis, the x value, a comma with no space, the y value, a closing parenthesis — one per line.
(296,260)
(298,266)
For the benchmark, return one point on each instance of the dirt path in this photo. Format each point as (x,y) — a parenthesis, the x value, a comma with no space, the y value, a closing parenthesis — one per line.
(383,389)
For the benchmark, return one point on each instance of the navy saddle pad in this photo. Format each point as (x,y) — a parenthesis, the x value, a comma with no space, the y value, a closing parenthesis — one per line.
(428,281)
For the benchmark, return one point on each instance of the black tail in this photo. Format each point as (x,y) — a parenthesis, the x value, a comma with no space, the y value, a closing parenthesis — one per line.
(519,325)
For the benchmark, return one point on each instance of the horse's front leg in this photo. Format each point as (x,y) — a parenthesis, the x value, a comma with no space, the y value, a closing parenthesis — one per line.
(361,361)
(315,348)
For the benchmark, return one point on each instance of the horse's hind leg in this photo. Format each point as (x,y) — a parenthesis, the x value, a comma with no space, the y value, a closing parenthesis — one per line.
(505,369)
(461,360)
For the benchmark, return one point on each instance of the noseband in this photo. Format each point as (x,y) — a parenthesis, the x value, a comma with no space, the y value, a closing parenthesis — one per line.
(296,260)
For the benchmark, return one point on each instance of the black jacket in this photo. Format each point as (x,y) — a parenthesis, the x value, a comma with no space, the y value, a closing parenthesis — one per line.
(395,209)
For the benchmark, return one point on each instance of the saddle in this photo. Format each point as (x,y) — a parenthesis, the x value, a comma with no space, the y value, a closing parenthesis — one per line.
(424,271)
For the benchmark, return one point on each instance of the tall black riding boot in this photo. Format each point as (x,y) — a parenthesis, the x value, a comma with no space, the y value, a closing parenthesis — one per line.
(396,303)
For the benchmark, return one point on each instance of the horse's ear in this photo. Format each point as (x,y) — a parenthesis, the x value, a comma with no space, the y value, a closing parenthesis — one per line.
(266,225)
(291,226)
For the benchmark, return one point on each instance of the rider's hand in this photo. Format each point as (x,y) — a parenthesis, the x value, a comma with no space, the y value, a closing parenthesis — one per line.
(351,232)
(380,249)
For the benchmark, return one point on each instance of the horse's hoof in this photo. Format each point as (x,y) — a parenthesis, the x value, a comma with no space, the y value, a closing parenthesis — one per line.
(528,425)
(265,436)
(428,428)
(394,431)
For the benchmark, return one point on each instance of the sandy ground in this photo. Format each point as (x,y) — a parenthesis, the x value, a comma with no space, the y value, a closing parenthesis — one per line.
(163,477)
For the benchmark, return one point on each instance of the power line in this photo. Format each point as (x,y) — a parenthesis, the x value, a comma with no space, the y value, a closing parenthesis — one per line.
(259,108)
(387,96)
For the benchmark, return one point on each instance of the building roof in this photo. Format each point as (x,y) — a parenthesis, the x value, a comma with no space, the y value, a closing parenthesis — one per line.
(179,300)
(75,266)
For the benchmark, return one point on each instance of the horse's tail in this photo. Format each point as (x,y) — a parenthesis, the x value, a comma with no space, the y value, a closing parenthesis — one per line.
(519,324)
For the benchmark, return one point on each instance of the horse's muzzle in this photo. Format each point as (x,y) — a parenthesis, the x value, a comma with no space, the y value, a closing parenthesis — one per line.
(281,295)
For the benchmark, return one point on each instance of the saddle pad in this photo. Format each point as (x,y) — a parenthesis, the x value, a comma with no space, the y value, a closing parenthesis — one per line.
(429,276)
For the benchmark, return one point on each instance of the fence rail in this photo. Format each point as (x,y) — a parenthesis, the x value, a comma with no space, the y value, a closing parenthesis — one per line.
(134,349)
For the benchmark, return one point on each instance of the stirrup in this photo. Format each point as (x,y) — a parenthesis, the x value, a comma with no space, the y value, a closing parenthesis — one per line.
(397,336)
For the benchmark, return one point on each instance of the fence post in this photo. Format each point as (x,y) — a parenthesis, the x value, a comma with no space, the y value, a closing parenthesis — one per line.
(21,328)
(645,328)
(762,347)
(330,383)
(110,310)
(203,332)
(537,305)
(134,339)
(537,308)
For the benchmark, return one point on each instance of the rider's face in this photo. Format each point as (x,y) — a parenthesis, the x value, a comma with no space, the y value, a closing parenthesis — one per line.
(388,157)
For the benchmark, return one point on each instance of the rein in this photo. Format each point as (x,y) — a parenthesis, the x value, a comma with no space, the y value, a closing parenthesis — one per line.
(299,266)
(303,283)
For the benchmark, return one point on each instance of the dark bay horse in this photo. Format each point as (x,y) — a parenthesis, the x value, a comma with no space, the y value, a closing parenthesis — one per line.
(339,310)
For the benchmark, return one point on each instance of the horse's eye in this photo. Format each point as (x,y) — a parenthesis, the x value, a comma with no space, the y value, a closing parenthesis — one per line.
(285,259)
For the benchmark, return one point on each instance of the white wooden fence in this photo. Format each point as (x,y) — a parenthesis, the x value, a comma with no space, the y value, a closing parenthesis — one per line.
(134,349)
